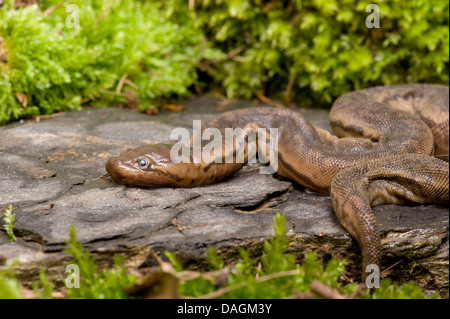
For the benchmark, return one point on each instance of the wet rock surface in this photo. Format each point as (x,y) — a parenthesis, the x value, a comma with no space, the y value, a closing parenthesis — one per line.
(51,172)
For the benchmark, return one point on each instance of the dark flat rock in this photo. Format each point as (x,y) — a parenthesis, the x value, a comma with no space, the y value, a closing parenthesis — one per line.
(51,173)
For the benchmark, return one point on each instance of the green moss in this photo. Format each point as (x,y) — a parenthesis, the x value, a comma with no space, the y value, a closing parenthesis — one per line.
(121,45)
(139,52)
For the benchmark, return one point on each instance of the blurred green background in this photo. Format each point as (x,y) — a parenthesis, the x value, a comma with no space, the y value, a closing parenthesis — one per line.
(143,53)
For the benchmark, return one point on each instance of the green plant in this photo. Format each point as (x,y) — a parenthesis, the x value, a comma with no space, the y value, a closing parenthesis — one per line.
(47,287)
(9,220)
(317,50)
(106,284)
(9,286)
(278,276)
(408,290)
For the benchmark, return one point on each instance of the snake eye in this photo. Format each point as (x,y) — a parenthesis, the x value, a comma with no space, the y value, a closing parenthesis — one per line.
(142,162)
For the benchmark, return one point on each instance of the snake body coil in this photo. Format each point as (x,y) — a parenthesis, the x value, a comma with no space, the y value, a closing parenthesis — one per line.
(391,145)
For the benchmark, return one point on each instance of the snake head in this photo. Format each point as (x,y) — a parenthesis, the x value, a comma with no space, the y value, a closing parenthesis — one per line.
(143,166)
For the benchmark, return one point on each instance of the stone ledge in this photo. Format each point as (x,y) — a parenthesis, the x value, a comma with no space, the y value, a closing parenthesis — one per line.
(51,174)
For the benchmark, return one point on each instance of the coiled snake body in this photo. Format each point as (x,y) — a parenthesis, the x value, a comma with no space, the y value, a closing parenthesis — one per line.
(391,145)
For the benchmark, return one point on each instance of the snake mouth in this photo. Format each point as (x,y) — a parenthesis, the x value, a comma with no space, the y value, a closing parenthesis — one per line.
(115,169)
(125,172)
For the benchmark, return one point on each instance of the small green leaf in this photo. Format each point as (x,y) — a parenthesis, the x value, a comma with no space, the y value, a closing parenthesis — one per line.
(9,223)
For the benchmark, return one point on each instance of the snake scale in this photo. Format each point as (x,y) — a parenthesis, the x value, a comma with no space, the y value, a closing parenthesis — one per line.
(390,146)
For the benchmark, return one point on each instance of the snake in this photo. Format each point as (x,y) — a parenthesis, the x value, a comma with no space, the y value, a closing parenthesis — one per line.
(390,145)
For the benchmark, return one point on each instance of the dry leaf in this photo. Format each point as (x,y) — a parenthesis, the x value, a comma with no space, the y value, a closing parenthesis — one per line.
(176,223)
(2,50)
(152,110)
(174,107)
(132,98)
(22,98)
(39,172)
(24,3)
(157,284)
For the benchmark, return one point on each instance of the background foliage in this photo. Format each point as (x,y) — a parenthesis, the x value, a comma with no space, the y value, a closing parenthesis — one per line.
(58,68)
(139,52)
(324,47)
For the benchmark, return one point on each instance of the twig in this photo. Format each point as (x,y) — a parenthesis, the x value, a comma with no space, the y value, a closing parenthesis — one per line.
(324,291)
(102,176)
(121,82)
(289,89)
(101,16)
(49,116)
(206,65)
(302,295)
(358,291)
(295,20)
(348,280)
(155,255)
(234,52)
(268,101)
(228,56)
(134,85)
(176,223)
(222,291)
(390,267)
(50,9)
(215,276)
(268,7)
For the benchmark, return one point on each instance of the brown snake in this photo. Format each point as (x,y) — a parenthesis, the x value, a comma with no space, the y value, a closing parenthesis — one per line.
(391,146)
